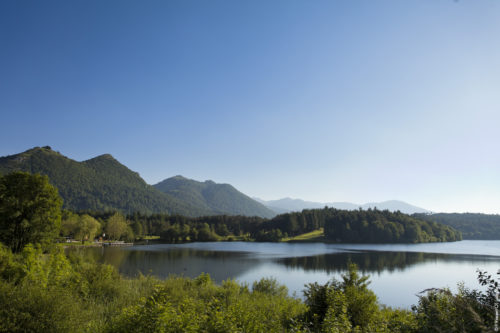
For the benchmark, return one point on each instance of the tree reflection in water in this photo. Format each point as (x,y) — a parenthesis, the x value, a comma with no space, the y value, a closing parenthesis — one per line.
(370,262)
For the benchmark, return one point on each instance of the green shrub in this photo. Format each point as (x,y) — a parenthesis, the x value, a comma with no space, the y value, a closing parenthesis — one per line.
(34,308)
(442,311)
(199,305)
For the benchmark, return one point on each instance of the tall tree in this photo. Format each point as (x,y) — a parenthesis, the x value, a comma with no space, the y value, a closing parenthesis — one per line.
(30,210)
(116,226)
(87,228)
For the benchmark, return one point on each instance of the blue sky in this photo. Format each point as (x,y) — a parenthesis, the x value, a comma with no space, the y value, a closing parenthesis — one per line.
(321,100)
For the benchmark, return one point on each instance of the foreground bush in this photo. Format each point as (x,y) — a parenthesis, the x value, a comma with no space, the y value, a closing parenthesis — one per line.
(199,305)
(49,292)
(349,306)
(442,311)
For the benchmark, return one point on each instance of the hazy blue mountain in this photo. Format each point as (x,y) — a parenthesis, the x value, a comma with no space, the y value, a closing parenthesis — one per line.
(218,198)
(395,205)
(294,205)
(276,210)
(343,205)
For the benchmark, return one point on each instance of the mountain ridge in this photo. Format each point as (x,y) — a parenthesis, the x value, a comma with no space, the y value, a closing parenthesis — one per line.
(221,198)
(287,204)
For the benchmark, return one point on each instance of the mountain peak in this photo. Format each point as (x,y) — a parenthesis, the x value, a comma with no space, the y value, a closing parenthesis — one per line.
(43,150)
(104,157)
(215,198)
(104,160)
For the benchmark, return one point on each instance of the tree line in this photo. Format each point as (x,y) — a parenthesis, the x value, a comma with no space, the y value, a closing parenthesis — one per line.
(358,226)
(170,228)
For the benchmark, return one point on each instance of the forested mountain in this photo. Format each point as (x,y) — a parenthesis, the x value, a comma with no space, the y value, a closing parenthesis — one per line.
(286,205)
(101,183)
(472,225)
(217,198)
(104,184)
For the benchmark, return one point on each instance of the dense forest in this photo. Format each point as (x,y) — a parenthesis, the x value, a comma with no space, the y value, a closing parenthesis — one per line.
(375,226)
(358,226)
(45,289)
(472,225)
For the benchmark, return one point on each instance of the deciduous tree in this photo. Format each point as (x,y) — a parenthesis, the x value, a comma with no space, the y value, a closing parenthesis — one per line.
(116,226)
(30,210)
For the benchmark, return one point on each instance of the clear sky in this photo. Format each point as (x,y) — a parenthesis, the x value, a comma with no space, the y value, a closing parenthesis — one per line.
(354,100)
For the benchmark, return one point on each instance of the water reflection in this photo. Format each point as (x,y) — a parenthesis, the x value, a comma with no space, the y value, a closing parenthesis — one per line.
(370,262)
(190,262)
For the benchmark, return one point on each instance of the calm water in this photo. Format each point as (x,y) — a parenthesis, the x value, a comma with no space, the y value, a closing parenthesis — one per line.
(398,272)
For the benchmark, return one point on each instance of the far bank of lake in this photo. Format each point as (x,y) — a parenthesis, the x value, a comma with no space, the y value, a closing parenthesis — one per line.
(398,271)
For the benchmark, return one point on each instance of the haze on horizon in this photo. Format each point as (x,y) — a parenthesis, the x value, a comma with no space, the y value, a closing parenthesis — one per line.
(324,101)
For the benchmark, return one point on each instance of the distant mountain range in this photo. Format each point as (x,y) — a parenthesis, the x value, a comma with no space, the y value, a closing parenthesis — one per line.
(104,184)
(294,205)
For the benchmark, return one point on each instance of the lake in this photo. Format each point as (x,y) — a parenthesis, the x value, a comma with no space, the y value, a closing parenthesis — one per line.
(398,272)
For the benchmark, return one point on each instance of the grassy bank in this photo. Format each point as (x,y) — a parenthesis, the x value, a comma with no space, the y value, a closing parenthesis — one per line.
(309,237)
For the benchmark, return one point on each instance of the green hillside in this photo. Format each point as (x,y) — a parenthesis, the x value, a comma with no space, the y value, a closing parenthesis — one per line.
(101,183)
(219,198)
